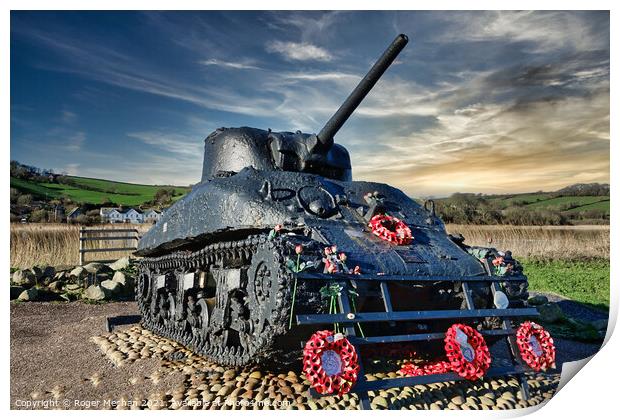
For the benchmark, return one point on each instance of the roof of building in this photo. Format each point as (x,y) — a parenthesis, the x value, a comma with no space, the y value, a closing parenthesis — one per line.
(106,210)
(74,211)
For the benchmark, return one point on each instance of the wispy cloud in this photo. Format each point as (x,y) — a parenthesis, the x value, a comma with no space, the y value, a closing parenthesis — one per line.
(299,51)
(68,116)
(173,143)
(229,64)
(495,148)
(70,169)
(114,68)
(311,26)
(544,31)
(75,141)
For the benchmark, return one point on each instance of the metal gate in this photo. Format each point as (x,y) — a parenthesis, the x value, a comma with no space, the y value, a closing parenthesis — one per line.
(131,236)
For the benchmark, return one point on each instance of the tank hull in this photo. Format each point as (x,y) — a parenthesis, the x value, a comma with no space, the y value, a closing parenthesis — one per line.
(254,201)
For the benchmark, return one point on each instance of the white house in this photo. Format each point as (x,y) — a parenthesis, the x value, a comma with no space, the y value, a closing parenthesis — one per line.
(104,213)
(114,215)
(133,216)
(151,216)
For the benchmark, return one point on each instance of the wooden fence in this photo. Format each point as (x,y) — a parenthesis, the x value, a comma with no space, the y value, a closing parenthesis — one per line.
(129,242)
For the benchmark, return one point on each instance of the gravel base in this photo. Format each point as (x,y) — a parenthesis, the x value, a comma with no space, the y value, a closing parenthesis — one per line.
(61,353)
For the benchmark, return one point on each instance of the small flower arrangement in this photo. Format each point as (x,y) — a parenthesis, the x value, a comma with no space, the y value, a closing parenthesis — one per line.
(336,262)
(273,233)
(501,268)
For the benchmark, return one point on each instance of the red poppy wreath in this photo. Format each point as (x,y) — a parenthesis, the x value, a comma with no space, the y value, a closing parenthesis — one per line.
(330,363)
(390,229)
(467,352)
(536,346)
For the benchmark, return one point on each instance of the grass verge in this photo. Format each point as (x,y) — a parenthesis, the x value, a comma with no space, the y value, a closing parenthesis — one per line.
(585,281)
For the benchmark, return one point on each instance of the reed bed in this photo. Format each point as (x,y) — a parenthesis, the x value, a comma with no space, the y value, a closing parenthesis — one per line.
(58,244)
(540,242)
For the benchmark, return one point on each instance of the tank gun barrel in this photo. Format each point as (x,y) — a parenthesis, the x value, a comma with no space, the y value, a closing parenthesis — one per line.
(326,135)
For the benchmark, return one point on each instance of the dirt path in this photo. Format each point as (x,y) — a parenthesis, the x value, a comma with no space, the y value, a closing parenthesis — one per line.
(53,359)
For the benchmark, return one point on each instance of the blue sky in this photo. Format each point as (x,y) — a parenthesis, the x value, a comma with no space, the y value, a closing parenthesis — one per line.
(478,101)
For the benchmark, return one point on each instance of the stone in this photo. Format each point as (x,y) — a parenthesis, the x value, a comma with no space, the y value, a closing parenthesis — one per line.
(286,390)
(55,286)
(538,300)
(77,272)
(16,291)
(61,275)
(95,267)
(102,277)
(458,400)
(49,271)
(24,278)
(28,295)
(120,277)
(550,312)
(93,292)
(247,394)
(256,374)
(120,264)
(37,272)
(380,402)
(225,390)
(111,287)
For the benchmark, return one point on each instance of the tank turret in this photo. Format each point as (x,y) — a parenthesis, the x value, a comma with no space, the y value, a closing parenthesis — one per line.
(228,150)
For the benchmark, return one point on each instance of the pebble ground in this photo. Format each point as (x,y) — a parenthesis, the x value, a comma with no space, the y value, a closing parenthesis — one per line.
(205,385)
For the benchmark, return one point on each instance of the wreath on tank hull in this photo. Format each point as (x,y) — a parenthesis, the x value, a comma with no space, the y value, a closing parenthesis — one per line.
(390,229)
(330,363)
(536,346)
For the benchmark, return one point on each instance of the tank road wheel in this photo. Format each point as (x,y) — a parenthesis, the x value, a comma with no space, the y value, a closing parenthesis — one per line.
(198,316)
(245,321)
(143,291)
(269,297)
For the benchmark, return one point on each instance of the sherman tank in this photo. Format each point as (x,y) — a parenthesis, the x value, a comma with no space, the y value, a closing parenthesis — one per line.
(241,268)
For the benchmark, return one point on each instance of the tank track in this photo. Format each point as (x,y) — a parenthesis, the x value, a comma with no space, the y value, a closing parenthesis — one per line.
(255,313)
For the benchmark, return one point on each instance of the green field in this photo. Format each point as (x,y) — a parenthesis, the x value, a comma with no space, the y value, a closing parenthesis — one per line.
(577,202)
(469,209)
(94,191)
(598,205)
(549,202)
(525,199)
(583,281)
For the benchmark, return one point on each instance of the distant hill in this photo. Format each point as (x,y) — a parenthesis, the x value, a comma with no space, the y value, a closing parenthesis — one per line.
(585,189)
(575,204)
(92,191)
